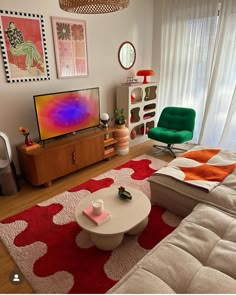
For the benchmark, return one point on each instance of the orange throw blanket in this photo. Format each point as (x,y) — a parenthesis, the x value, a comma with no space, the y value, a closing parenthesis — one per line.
(203,167)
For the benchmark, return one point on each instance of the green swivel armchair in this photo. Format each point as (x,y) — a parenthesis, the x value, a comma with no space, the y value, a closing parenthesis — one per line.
(175,125)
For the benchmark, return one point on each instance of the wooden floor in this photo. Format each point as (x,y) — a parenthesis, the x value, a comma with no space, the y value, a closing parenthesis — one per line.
(29,196)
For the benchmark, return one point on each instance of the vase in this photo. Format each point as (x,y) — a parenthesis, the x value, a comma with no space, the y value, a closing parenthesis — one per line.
(122,137)
(133,134)
(28,141)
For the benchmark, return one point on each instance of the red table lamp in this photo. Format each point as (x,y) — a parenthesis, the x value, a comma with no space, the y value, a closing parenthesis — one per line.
(145,73)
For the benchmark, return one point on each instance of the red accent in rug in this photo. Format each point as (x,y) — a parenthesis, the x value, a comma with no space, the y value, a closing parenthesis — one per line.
(156,230)
(141,168)
(93,185)
(63,254)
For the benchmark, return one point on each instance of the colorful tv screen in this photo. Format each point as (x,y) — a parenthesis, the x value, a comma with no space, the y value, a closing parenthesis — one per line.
(66,112)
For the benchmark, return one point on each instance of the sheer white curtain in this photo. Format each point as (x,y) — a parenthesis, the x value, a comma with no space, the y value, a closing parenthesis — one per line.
(219,124)
(190,59)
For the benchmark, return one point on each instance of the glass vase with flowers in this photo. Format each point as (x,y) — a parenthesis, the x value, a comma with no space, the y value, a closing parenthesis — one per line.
(25,131)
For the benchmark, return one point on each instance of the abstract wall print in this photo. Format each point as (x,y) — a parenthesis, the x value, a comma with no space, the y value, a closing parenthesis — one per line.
(70,47)
(23,45)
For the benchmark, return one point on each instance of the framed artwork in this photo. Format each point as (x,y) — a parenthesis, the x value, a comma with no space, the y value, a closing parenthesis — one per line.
(23,45)
(70,47)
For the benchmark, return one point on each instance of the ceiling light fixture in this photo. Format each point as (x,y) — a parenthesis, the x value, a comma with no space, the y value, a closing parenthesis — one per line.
(93,6)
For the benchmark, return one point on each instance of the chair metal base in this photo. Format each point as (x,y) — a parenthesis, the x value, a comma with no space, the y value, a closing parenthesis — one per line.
(169,148)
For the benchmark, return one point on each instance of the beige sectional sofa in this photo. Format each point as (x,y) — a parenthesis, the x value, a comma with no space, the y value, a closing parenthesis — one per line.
(197,257)
(180,198)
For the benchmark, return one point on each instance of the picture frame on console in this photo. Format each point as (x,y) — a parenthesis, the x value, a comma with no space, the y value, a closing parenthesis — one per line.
(23,46)
(70,43)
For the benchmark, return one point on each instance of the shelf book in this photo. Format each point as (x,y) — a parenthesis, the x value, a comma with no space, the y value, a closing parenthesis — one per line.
(109,139)
(109,150)
(97,219)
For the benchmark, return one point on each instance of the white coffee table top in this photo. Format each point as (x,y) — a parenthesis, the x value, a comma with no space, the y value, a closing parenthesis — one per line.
(125,214)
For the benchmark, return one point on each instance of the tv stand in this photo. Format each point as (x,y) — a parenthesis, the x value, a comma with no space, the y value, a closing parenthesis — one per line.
(65,155)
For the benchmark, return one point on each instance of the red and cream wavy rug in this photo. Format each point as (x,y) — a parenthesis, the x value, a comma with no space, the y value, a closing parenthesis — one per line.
(56,255)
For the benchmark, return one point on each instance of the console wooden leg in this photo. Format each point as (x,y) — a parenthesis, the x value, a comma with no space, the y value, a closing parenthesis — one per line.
(47,184)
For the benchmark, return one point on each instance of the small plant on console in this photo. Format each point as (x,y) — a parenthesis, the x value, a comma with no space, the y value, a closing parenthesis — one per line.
(119,116)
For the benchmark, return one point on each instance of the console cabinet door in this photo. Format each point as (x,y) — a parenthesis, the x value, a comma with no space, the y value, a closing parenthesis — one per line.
(57,162)
(89,151)
(41,167)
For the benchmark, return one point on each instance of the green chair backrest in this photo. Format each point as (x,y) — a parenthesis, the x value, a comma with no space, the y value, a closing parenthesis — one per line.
(177,118)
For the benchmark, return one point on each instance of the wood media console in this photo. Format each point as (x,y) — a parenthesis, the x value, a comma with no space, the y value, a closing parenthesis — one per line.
(65,155)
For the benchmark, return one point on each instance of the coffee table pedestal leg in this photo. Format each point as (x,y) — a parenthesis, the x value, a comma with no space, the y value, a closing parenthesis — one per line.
(106,242)
(138,228)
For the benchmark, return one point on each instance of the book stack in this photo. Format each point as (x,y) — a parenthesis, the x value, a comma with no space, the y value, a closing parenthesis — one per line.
(97,219)
(108,139)
(109,150)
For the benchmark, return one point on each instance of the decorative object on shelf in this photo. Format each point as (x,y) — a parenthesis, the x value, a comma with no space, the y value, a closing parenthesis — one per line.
(25,132)
(119,116)
(144,131)
(93,6)
(23,44)
(133,134)
(133,98)
(29,144)
(70,44)
(145,73)
(104,118)
(127,56)
(132,80)
(123,194)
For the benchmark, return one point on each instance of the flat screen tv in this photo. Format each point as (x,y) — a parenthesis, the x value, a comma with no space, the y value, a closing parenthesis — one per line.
(67,112)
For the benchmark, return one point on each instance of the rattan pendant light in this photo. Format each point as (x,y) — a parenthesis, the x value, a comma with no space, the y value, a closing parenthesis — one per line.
(93,6)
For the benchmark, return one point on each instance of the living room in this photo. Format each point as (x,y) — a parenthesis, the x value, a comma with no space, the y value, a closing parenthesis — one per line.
(140,24)
(105,33)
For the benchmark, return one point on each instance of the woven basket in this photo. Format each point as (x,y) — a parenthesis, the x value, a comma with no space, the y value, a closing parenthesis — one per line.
(93,6)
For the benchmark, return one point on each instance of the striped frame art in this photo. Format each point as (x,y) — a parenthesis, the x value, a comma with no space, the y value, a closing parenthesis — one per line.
(23,45)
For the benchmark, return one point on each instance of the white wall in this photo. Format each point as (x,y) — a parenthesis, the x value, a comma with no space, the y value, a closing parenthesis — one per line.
(105,33)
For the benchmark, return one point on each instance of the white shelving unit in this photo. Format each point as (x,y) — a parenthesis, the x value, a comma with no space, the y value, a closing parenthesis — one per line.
(140,104)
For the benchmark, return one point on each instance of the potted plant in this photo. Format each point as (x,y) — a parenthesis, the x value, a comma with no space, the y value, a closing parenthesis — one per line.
(119,116)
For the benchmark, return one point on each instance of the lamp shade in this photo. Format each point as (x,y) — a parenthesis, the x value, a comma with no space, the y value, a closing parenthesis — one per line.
(145,73)
(93,6)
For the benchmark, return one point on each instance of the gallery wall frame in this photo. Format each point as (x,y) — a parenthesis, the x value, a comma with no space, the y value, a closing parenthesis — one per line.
(23,45)
(70,43)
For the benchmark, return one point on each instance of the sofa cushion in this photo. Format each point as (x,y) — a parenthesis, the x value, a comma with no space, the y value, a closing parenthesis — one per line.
(197,257)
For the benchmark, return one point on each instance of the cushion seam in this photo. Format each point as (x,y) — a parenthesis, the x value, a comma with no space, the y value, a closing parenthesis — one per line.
(144,269)
(221,237)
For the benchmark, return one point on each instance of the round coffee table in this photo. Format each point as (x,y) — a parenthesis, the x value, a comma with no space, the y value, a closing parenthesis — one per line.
(127,216)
